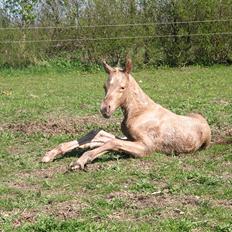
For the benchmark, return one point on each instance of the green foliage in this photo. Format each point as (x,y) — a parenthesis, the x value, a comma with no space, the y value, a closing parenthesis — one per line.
(224,228)
(177,226)
(195,49)
(161,18)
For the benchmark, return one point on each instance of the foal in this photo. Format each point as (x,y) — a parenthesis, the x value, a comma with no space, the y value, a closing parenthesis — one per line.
(148,127)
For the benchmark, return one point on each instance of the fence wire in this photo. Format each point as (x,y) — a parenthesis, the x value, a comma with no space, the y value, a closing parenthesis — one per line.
(172,43)
(116,25)
(116,38)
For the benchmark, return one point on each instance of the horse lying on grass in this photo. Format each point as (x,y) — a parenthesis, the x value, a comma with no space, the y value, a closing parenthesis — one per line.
(148,127)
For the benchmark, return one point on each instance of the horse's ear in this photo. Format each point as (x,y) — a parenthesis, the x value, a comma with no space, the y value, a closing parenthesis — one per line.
(107,68)
(128,66)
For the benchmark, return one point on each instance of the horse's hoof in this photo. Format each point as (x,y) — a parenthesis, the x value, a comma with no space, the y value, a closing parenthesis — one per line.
(76,166)
(46,159)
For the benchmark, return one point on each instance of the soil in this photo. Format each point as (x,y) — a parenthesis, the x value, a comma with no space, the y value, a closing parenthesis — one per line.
(61,210)
(165,204)
(221,135)
(64,125)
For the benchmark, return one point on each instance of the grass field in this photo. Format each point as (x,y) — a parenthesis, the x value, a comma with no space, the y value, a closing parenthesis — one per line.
(42,107)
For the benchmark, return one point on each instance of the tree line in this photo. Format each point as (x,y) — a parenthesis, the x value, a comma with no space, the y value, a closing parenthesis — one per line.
(153,32)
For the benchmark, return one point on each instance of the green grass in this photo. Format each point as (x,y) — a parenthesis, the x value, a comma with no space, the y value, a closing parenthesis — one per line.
(159,193)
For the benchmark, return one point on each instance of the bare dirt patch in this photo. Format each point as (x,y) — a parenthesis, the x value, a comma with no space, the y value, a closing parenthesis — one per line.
(64,125)
(44,172)
(156,199)
(64,210)
(224,203)
(162,204)
(221,102)
(26,216)
(61,210)
(122,216)
(222,135)
(49,172)
(22,185)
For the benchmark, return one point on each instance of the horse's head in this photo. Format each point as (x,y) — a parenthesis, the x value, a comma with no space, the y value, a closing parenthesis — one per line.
(116,88)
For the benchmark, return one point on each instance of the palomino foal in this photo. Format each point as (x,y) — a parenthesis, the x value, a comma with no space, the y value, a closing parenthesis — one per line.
(148,127)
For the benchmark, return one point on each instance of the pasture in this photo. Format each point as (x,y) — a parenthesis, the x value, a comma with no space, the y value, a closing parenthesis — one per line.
(42,107)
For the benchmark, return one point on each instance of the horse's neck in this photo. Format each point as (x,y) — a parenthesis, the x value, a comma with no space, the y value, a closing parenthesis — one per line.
(136,100)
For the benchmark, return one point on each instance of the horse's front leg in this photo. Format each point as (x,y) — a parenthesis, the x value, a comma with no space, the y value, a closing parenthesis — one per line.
(136,149)
(91,140)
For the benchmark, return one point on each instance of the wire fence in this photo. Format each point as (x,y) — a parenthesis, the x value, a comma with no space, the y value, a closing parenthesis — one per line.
(152,32)
(157,43)
(116,38)
(116,25)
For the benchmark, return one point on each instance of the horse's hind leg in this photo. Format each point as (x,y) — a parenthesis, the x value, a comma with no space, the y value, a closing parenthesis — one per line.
(91,140)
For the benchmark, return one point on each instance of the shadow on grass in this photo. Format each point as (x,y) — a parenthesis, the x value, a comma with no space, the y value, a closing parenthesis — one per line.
(105,158)
(74,153)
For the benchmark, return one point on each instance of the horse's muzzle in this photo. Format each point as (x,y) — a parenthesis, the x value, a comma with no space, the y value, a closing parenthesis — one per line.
(106,110)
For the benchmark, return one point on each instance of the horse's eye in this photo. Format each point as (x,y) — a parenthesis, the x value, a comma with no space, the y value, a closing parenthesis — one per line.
(122,88)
